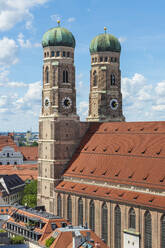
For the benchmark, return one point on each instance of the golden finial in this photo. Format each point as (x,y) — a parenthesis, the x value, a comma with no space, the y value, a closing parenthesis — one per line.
(105,29)
(58,21)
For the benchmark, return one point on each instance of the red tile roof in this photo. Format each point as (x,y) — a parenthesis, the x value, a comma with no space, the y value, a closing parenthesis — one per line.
(113,194)
(121,152)
(25,171)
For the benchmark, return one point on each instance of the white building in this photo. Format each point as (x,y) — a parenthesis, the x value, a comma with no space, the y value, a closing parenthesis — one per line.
(9,156)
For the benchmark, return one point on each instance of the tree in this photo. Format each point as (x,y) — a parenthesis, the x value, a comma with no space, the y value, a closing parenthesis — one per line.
(30,194)
(17,240)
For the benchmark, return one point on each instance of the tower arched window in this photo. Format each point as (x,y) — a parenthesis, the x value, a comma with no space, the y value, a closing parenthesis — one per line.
(162,231)
(52,53)
(94,78)
(80,212)
(92,215)
(104,225)
(117,227)
(59,205)
(147,230)
(132,218)
(47,75)
(65,76)
(113,80)
(69,208)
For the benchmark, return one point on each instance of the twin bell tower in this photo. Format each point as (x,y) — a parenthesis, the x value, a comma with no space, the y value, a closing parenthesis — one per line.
(60,129)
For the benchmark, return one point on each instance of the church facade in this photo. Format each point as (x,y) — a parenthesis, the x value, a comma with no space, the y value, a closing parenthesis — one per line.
(105,171)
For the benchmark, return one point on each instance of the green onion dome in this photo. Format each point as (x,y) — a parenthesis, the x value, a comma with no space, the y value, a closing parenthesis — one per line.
(105,42)
(58,36)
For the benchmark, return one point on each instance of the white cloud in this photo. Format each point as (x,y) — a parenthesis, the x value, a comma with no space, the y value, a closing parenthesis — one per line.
(83,109)
(71,19)
(122,39)
(12,12)
(22,42)
(16,84)
(9,50)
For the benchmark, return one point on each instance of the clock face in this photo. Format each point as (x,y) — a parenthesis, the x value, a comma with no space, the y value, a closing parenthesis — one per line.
(46,102)
(66,102)
(114,104)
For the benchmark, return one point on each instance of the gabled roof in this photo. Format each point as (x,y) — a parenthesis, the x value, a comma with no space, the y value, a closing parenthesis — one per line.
(126,153)
(11,184)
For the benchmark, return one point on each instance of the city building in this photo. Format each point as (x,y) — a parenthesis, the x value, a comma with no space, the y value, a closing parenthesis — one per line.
(12,154)
(38,227)
(11,188)
(106,172)
(9,156)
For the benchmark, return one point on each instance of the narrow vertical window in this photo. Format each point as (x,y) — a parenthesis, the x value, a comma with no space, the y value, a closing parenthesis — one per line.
(68,54)
(59,205)
(104,225)
(80,212)
(69,208)
(94,78)
(132,219)
(163,231)
(117,227)
(92,215)
(147,230)
(47,75)
(64,77)
(112,79)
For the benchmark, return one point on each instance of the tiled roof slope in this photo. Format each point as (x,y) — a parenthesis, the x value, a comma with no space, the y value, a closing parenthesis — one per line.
(113,194)
(24,171)
(7,141)
(29,152)
(126,153)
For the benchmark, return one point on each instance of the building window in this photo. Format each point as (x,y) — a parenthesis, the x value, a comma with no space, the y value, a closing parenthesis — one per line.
(80,212)
(112,79)
(8,163)
(101,59)
(163,231)
(47,75)
(68,54)
(15,162)
(63,54)
(52,53)
(65,76)
(92,215)
(59,205)
(105,59)
(8,155)
(45,55)
(95,59)
(69,208)
(57,53)
(132,219)
(104,225)
(147,230)
(94,78)
(117,227)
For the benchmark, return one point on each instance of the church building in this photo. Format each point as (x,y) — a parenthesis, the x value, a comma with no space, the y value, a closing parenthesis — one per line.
(105,171)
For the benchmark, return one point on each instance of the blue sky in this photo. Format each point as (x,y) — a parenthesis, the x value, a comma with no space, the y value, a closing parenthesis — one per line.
(139,25)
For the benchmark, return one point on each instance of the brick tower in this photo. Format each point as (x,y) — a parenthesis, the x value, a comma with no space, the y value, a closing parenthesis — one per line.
(105,99)
(59,122)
